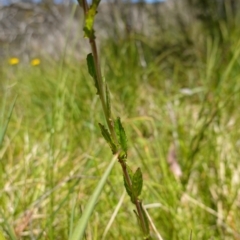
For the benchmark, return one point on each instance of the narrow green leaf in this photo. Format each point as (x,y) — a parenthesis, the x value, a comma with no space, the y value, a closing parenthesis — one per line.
(108,101)
(121,135)
(127,187)
(137,183)
(4,129)
(108,138)
(92,70)
(91,67)
(79,230)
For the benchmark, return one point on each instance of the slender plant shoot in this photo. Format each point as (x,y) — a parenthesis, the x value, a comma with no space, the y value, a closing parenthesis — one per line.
(114,133)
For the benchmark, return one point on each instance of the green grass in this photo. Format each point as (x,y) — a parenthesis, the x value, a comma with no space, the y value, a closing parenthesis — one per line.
(53,155)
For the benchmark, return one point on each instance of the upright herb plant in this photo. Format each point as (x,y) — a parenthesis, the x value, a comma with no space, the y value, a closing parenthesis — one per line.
(113,133)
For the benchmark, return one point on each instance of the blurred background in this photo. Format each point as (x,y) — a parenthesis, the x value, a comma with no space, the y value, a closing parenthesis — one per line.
(34,28)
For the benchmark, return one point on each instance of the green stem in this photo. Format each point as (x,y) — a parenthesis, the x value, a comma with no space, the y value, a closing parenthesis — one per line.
(101,87)
(92,42)
(108,119)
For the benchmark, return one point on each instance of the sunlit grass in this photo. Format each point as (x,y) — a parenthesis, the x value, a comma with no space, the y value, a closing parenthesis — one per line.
(53,154)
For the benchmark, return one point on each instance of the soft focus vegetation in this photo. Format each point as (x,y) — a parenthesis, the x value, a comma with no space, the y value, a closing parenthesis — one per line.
(179,93)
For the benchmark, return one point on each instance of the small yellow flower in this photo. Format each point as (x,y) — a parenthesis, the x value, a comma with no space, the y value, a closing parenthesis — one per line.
(35,62)
(13,61)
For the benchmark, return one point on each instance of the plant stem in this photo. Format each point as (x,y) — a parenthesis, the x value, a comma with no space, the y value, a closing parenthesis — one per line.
(108,119)
(101,87)
(140,210)
(92,42)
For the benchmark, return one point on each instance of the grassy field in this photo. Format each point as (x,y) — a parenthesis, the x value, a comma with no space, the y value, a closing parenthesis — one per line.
(178,103)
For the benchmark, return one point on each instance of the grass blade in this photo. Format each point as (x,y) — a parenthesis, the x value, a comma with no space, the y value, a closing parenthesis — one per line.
(79,230)
(4,129)
(8,227)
